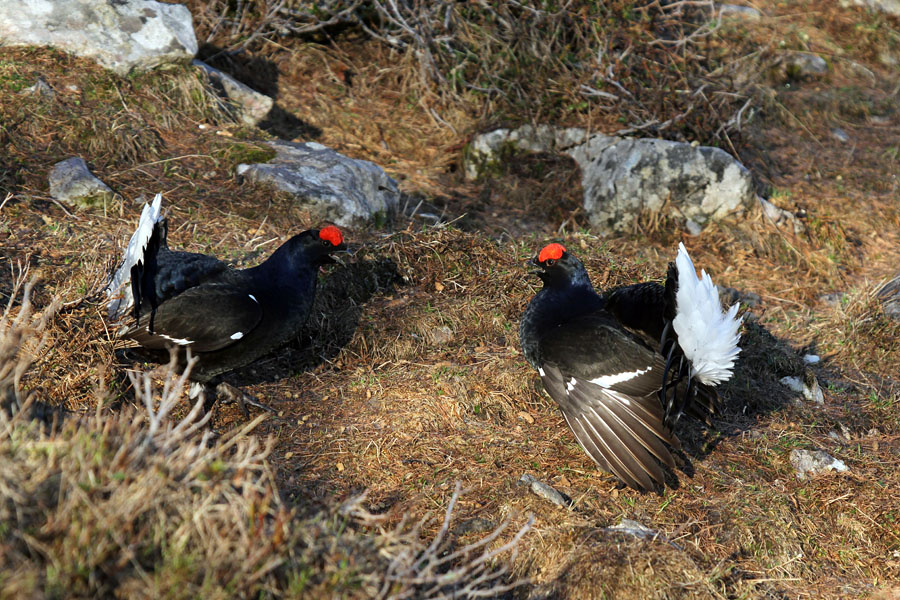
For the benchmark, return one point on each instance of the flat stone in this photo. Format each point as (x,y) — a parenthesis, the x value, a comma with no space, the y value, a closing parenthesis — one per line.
(800,65)
(731,295)
(891,7)
(338,188)
(40,88)
(840,135)
(780,217)
(813,462)
(252,106)
(121,35)
(476,525)
(889,296)
(73,183)
(440,336)
(624,178)
(808,387)
(738,11)
(632,528)
(545,491)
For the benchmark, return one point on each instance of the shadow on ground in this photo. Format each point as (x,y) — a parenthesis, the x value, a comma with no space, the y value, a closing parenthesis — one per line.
(261,75)
(335,316)
(753,391)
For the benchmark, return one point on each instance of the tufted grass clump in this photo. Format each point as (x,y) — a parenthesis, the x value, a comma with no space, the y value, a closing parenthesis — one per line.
(141,504)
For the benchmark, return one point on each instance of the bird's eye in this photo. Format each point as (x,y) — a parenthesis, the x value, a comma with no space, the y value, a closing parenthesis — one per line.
(549,262)
(325,242)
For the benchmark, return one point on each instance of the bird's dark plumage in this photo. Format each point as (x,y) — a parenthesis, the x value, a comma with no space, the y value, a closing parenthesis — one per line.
(613,364)
(227,317)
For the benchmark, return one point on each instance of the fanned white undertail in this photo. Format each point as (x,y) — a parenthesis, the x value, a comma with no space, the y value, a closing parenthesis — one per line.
(119,289)
(708,335)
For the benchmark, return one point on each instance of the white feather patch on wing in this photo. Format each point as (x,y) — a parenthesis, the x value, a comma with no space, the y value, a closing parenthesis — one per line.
(708,335)
(606,381)
(119,288)
(179,341)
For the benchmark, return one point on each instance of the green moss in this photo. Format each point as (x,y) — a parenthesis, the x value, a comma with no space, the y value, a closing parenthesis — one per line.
(236,153)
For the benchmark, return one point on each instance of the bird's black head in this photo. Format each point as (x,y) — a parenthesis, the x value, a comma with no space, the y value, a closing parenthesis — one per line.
(557,268)
(313,247)
(327,240)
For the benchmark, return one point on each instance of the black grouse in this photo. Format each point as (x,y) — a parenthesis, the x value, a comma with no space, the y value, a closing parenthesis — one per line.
(162,298)
(623,366)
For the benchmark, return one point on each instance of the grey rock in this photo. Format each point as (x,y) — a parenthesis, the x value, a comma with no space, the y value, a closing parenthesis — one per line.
(812,462)
(891,7)
(738,11)
(40,88)
(545,491)
(121,35)
(625,177)
(487,149)
(631,176)
(811,359)
(693,227)
(861,70)
(833,298)
(638,530)
(72,182)
(632,528)
(889,295)
(780,217)
(808,386)
(888,58)
(440,336)
(801,65)
(840,135)
(476,525)
(252,105)
(341,189)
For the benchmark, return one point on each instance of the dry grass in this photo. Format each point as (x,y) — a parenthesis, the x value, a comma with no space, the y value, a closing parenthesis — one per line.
(139,504)
(409,378)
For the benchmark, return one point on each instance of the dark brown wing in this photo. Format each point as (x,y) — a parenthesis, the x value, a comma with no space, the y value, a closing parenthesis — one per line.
(206,318)
(606,382)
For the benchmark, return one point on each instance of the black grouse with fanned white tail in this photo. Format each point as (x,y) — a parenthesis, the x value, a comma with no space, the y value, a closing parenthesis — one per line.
(162,298)
(623,366)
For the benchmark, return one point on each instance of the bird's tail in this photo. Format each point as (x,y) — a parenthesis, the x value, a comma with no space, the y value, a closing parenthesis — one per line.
(708,336)
(119,291)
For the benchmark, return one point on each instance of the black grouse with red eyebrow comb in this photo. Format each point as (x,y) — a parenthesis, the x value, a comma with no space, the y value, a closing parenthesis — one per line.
(162,298)
(624,366)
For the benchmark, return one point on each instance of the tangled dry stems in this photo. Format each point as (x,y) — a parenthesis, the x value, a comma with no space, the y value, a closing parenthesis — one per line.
(656,67)
(141,504)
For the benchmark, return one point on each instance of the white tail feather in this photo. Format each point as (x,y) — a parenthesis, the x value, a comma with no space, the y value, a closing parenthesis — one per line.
(119,288)
(707,335)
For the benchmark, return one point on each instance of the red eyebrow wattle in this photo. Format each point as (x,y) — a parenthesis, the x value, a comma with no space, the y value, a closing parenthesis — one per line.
(332,234)
(554,251)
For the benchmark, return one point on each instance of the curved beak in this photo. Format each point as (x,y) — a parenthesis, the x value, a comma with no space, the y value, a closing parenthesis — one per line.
(534,267)
(328,259)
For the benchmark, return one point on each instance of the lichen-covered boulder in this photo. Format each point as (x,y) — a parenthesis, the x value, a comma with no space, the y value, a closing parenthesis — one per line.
(624,178)
(344,190)
(72,183)
(121,35)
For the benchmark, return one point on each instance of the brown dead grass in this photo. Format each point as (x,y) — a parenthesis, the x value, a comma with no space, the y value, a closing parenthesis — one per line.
(409,377)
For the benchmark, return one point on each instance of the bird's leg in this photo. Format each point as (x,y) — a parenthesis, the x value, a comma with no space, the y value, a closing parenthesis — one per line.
(228,393)
(209,394)
(224,393)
